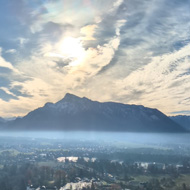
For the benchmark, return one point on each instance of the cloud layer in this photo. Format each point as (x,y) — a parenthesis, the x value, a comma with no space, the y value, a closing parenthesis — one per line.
(127,51)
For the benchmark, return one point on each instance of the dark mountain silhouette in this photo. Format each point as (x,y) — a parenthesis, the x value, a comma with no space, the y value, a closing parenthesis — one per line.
(75,113)
(182,120)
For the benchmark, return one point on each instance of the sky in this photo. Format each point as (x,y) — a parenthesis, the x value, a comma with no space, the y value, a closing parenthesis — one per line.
(128,51)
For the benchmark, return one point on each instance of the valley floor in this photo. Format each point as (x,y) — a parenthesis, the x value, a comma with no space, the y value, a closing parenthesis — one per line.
(35,164)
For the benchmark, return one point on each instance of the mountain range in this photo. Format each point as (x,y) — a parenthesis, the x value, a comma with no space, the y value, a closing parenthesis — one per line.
(82,114)
(182,120)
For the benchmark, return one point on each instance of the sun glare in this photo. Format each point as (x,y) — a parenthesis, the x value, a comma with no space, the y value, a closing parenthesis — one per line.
(72,48)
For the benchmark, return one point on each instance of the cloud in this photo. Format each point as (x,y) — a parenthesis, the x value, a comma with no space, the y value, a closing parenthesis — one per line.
(22,41)
(18,90)
(61,12)
(88,32)
(11,51)
(5,96)
(8,75)
(150,30)
(4,63)
(184,112)
(164,81)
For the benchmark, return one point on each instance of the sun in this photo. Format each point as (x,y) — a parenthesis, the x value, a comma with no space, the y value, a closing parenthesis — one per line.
(69,48)
(72,48)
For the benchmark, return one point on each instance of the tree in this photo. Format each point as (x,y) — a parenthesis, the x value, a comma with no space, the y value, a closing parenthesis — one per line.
(92,186)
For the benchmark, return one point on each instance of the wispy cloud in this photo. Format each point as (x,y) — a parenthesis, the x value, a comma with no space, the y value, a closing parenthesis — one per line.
(4,63)
(162,83)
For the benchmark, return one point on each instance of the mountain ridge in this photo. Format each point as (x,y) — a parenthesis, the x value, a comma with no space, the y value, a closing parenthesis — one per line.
(74,113)
(183,120)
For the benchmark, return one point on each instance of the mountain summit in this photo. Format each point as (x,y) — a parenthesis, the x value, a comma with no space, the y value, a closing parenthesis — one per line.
(69,97)
(75,113)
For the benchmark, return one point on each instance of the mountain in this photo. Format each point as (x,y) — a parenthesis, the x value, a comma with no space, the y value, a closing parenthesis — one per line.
(2,120)
(75,113)
(182,120)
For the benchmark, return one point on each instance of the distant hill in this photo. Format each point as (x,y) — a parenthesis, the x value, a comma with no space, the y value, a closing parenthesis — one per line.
(182,120)
(75,113)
